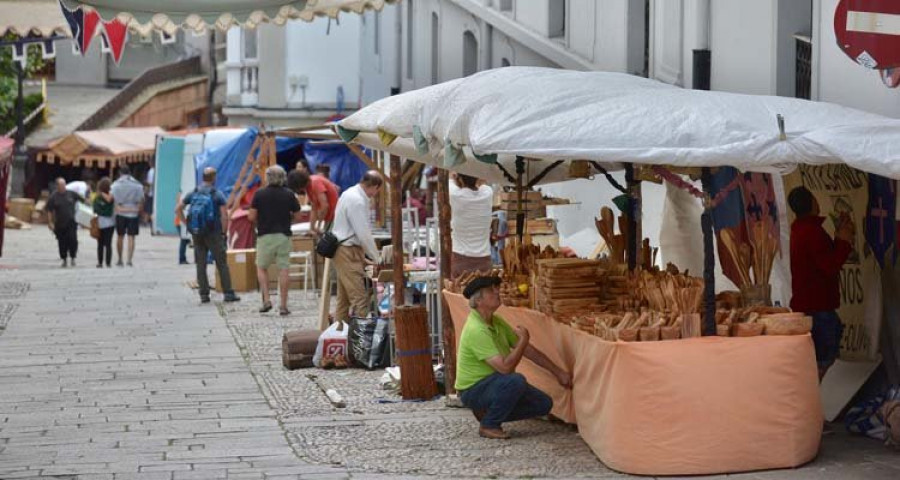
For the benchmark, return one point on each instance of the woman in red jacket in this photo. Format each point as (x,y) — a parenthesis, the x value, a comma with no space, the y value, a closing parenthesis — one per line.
(816,262)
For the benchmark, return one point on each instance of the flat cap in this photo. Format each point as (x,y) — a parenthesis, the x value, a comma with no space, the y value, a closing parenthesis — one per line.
(478,283)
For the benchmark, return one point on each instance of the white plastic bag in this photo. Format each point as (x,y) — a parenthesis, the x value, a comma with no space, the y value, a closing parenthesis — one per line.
(83,214)
(333,341)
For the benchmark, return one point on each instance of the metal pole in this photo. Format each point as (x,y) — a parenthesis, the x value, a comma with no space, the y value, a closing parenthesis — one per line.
(520,214)
(709,260)
(631,236)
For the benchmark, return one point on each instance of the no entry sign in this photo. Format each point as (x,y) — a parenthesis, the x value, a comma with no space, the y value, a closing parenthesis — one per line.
(868,31)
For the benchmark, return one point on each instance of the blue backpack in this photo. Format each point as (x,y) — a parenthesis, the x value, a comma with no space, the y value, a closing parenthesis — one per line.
(202,212)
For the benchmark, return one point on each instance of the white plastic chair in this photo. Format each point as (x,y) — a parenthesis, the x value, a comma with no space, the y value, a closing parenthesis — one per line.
(304,269)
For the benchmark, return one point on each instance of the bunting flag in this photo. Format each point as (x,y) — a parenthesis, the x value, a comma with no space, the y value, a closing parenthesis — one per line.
(48,49)
(75,19)
(881,229)
(91,22)
(115,35)
(83,25)
(20,54)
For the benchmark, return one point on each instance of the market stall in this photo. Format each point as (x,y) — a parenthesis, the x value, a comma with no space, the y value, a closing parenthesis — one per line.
(602,121)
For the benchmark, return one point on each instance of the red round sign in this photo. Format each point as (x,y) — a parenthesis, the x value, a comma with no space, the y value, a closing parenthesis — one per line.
(868,31)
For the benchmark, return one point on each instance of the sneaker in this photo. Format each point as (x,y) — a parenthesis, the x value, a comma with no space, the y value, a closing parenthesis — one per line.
(204,298)
(130,264)
(73,262)
(65,263)
(231,297)
(119,263)
(183,262)
(99,265)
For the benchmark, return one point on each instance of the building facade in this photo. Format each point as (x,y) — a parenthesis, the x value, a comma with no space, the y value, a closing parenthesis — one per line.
(300,74)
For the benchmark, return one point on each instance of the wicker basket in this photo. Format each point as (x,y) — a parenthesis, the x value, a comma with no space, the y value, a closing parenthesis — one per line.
(747,329)
(787,325)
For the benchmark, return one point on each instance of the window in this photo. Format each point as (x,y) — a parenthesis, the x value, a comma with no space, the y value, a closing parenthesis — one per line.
(435,48)
(470,54)
(557,19)
(377,29)
(250,40)
(409,39)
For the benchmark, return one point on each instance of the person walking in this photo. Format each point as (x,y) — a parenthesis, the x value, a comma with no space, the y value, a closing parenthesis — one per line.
(208,223)
(816,263)
(104,207)
(61,220)
(470,225)
(128,196)
(352,229)
(488,354)
(272,210)
(183,234)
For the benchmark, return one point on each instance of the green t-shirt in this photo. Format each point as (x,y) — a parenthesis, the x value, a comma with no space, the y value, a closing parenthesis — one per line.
(479,342)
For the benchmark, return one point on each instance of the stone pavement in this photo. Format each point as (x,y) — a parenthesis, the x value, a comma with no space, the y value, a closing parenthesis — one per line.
(120,373)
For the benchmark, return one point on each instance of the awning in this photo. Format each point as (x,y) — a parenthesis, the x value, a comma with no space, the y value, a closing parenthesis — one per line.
(144,16)
(32,18)
(550,114)
(102,148)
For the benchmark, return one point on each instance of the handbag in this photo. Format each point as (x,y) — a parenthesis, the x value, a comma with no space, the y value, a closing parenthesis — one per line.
(95,227)
(328,244)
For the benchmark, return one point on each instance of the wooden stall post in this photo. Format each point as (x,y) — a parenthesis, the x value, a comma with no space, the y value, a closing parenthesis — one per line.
(446,247)
(414,353)
(709,259)
(397,230)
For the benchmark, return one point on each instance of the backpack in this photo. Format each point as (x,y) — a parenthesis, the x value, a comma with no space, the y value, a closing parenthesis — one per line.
(202,212)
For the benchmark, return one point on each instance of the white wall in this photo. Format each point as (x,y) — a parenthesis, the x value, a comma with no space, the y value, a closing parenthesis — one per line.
(328,57)
(380,72)
(839,79)
(742,43)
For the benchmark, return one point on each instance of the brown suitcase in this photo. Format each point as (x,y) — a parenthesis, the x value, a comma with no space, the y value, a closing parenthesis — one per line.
(298,348)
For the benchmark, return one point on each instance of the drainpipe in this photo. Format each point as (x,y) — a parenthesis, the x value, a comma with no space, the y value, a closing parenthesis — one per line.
(702,58)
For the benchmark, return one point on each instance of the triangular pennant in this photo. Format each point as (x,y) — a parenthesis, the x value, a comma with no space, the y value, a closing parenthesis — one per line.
(20,54)
(75,19)
(48,49)
(115,34)
(166,38)
(91,21)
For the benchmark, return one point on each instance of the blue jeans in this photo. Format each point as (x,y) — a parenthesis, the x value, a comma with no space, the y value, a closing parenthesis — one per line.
(506,398)
(827,331)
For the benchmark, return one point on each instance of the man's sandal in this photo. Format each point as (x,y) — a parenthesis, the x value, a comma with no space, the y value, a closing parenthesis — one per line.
(265,308)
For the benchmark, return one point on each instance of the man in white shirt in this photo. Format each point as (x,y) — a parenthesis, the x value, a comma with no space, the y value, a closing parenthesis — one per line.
(471,206)
(352,229)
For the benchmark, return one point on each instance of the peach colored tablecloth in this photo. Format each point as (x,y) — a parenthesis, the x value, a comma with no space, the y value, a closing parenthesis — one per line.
(684,407)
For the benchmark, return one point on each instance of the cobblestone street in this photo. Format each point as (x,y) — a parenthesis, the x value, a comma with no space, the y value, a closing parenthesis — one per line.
(120,373)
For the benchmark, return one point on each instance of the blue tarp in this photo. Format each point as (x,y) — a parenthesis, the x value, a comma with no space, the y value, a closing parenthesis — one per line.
(228,158)
(346,169)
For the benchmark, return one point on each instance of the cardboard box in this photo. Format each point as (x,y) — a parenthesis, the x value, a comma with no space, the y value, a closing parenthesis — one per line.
(242,267)
(20,208)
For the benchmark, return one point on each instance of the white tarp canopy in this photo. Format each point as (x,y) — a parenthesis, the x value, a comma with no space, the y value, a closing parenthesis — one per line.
(550,114)
(389,124)
(144,16)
